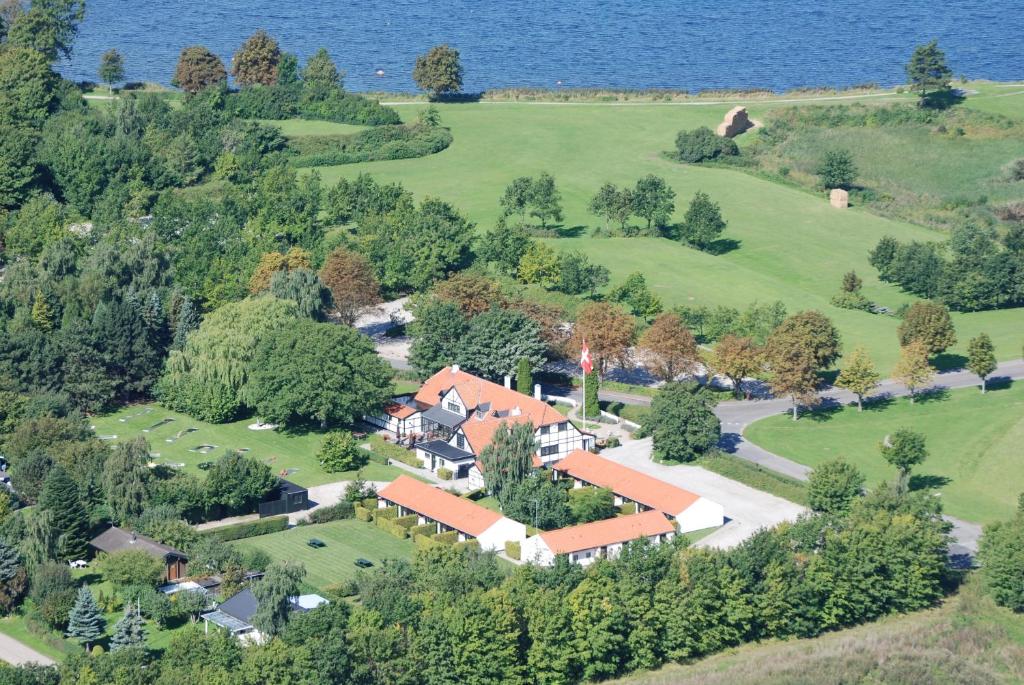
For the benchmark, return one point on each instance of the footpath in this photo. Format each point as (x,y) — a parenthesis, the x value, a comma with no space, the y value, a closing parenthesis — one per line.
(17,653)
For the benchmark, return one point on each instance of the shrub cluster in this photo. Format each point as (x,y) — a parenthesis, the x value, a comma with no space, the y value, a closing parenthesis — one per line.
(249,529)
(702,144)
(373,144)
(283,102)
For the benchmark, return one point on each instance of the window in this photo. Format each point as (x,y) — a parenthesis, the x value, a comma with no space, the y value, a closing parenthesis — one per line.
(563,426)
(460,441)
(544,430)
(548,449)
(452,407)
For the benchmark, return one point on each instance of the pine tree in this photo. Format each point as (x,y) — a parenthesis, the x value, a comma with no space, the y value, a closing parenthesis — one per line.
(42,314)
(981,358)
(129,631)
(61,498)
(524,377)
(859,376)
(13,577)
(85,622)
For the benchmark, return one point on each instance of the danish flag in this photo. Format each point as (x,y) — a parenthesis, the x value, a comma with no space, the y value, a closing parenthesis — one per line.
(585,361)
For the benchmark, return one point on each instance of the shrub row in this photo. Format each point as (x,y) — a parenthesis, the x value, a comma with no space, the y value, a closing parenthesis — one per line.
(363,514)
(444,474)
(389,525)
(335,512)
(373,144)
(426,530)
(284,102)
(249,529)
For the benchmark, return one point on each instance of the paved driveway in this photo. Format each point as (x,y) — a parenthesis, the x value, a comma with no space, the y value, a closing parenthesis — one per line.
(16,653)
(746,509)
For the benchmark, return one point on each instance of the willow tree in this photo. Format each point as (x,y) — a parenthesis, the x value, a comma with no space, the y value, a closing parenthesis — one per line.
(508,460)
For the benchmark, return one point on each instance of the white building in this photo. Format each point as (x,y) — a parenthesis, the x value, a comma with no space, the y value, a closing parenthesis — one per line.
(449,512)
(690,511)
(586,543)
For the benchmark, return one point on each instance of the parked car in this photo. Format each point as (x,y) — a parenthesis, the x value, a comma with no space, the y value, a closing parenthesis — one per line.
(363,563)
(316,543)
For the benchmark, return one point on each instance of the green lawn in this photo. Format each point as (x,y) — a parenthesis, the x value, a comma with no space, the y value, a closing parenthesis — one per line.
(792,245)
(297,128)
(346,541)
(998,98)
(974,442)
(290,454)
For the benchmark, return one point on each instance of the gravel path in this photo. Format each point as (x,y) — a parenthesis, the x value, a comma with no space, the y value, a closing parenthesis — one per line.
(16,653)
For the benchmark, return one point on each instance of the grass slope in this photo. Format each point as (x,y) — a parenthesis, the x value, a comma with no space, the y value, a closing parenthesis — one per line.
(291,452)
(974,443)
(967,640)
(792,245)
(346,541)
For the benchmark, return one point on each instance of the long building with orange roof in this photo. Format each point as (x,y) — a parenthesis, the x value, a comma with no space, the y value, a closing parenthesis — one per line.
(690,510)
(455,415)
(584,544)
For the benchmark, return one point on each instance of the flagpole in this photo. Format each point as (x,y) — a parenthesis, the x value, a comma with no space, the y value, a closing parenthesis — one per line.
(584,403)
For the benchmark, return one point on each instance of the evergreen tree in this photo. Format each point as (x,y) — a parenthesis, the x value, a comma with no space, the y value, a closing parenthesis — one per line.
(858,376)
(42,313)
(981,358)
(927,69)
(61,499)
(129,631)
(590,400)
(85,622)
(126,478)
(524,376)
(13,577)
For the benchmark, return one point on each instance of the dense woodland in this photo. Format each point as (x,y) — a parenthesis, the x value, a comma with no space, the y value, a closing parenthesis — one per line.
(166,248)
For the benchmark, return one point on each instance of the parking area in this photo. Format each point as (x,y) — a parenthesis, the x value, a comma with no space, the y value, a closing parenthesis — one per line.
(746,509)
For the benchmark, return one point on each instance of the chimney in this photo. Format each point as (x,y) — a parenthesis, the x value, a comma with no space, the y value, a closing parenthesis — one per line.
(508,382)
(536,391)
(455,368)
(516,411)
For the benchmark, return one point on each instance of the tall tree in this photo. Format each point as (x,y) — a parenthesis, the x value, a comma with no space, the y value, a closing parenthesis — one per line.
(927,69)
(637,296)
(27,87)
(129,631)
(858,375)
(353,285)
(670,347)
(85,622)
(320,77)
(608,331)
(504,246)
(545,200)
(904,449)
(578,276)
(13,577)
(272,262)
(272,593)
(70,519)
(833,486)
(682,422)
(198,68)
(438,71)
(49,26)
(473,293)
(981,358)
(496,340)
(591,398)
(913,369)
(540,265)
(703,222)
(737,358)
(814,332)
(928,322)
(524,376)
(603,202)
(508,459)
(794,372)
(126,479)
(654,200)
(111,68)
(436,332)
(257,60)
(598,627)
(237,482)
(516,199)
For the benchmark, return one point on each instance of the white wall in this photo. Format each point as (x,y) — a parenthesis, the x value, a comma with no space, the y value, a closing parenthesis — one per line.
(503,530)
(535,551)
(700,515)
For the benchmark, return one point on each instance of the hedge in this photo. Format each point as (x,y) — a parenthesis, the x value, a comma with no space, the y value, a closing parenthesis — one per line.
(449,538)
(369,502)
(363,514)
(348,108)
(426,529)
(513,549)
(378,458)
(372,145)
(408,521)
(283,102)
(423,542)
(386,513)
(628,508)
(444,474)
(468,544)
(389,526)
(249,529)
(335,512)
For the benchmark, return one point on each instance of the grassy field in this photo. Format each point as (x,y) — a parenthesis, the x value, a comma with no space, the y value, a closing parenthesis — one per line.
(974,442)
(792,245)
(966,640)
(998,98)
(289,454)
(346,541)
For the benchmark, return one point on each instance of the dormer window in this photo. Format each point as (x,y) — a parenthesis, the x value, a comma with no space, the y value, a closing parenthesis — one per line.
(453,407)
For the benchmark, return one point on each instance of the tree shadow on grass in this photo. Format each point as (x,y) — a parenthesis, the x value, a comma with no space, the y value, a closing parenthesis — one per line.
(922,481)
(825,411)
(879,402)
(949,362)
(449,98)
(999,383)
(723,246)
(936,394)
(571,231)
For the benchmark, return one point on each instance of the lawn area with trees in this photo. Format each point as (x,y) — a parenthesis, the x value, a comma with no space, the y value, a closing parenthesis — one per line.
(295,452)
(346,541)
(973,443)
(766,219)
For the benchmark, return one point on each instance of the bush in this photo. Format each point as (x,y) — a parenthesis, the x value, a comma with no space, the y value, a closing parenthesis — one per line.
(702,144)
(369,502)
(1015,170)
(425,542)
(346,108)
(390,513)
(444,474)
(473,544)
(342,590)
(513,549)
(408,521)
(373,144)
(427,529)
(448,538)
(335,512)
(627,508)
(340,451)
(131,567)
(264,102)
(363,514)
(845,300)
(249,529)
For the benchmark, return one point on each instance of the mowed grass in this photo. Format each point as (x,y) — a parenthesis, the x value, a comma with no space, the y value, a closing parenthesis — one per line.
(998,98)
(292,455)
(792,246)
(346,541)
(974,444)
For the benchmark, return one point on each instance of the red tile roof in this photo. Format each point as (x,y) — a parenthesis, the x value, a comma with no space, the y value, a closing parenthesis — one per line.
(626,482)
(456,512)
(399,411)
(513,407)
(607,532)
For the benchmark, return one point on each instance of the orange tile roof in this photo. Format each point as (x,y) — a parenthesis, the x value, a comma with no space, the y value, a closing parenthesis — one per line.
(399,411)
(476,392)
(457,512)
(607,532)
(626,482)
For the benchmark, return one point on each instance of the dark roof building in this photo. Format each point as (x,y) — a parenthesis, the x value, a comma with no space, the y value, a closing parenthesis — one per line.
(116,539)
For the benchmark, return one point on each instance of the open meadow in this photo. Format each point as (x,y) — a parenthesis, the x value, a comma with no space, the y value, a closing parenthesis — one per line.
(790,244)
(974,445)
(178,439)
